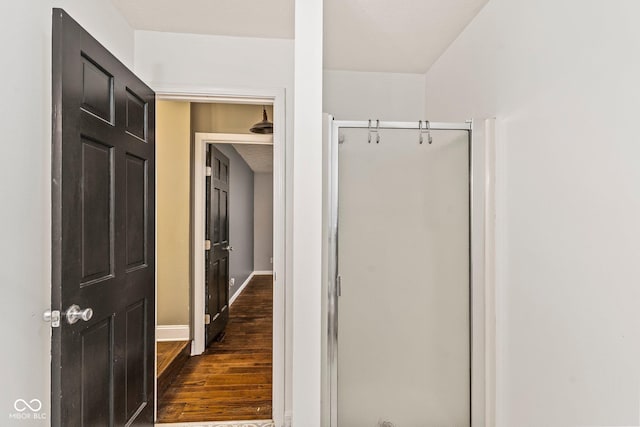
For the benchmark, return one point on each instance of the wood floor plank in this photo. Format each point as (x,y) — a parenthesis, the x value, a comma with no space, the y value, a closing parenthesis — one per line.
(171,358)
(232,380)
(167,352)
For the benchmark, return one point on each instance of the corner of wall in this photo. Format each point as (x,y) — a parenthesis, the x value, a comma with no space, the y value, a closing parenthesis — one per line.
(425,81)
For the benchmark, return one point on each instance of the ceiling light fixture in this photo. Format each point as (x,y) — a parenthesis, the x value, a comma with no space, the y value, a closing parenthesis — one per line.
(265,126)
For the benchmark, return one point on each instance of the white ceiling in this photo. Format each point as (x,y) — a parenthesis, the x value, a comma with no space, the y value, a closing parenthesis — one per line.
(258,157)
(405,36)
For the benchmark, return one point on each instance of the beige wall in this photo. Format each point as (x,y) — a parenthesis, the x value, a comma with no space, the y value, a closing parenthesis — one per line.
(227,118)
(173,181)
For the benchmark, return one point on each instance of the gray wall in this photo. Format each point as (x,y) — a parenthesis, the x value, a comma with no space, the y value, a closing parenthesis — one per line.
(263,222)
(240,217)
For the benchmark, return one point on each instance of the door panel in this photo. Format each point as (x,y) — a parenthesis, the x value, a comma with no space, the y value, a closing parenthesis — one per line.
(136,211)
(223,279)
(103,239)
(97,212)
(213,297)
(217,269)
(403,258)
(97,89)
(97,356)
(136,116)
(224,226)
(214,216)
(135,348)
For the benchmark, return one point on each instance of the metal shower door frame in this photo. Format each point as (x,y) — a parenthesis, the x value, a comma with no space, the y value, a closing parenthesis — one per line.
(330,404)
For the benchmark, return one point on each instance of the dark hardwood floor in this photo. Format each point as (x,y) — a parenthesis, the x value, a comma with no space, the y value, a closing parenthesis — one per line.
(172,355)
(232,380)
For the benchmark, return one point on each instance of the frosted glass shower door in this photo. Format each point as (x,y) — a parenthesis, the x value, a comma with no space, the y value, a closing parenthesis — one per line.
(403,256)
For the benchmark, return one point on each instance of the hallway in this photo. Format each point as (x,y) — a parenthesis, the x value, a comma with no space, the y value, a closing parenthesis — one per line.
(232,380)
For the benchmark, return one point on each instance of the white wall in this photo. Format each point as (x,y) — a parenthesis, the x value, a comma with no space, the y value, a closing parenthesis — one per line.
(263,221)
(562,79)
(199,61)
(213,61)
(25,173)
(105,23)
(354,95)
(307,220)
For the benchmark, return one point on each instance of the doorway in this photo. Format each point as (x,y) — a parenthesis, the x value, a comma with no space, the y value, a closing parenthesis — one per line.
(232,302)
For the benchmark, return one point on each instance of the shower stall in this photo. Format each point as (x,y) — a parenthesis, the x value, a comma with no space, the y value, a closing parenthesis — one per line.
(399,274)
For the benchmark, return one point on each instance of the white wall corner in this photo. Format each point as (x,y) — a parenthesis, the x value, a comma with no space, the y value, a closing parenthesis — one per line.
(172,333)
(307,214)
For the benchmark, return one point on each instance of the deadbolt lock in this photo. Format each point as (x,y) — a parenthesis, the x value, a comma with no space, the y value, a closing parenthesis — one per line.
(52,316)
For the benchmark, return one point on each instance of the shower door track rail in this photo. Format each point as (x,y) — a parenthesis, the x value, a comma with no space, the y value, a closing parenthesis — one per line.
(374,124)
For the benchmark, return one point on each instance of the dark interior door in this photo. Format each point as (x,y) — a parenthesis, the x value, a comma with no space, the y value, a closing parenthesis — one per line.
(217,257)
(103,235)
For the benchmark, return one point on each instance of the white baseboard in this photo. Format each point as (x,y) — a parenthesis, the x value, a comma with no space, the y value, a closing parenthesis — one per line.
(172,333)
(241,288)
(263,273)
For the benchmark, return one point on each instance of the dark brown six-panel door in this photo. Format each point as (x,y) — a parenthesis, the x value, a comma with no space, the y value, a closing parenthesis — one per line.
(103,190)
(217,258)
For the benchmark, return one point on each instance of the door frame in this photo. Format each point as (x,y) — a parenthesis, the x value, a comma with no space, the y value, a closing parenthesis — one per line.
(482,250)
(198,219)
(277,98)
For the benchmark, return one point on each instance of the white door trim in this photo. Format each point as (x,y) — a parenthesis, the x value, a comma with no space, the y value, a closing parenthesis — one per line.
(235,138)
(490,238)
(201,140)
(243,96)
